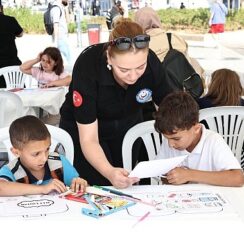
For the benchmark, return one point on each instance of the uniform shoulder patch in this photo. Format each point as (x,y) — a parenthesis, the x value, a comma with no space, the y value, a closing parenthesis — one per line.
(77,99)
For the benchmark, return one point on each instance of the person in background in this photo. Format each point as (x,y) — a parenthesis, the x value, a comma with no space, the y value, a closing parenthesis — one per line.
(217,18)
(115,13)
(60,33)
(182,6)
(209,159)
(35,170)
(9,30)
(148,18)
(96,8)
(110,84)
(51,70)
(225,89)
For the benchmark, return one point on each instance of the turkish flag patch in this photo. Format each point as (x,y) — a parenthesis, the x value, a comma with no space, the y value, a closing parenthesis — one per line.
(77,99)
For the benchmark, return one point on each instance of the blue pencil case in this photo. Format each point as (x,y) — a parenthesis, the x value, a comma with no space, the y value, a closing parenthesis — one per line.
(104,205)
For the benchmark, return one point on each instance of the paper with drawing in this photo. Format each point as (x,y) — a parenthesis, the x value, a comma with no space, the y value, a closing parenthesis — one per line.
(153,168)
(31,206)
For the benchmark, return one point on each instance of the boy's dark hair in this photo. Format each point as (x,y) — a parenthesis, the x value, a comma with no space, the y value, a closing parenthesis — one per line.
(26,129)
(178,110)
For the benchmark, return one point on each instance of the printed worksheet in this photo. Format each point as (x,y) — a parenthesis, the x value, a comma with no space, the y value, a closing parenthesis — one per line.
(31,206)
(195,201)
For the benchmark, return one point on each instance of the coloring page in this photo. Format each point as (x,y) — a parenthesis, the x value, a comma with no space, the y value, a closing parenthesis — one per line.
(31,206)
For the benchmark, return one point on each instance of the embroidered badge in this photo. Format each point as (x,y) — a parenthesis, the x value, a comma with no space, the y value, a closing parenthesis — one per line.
(77,99)
(144,95)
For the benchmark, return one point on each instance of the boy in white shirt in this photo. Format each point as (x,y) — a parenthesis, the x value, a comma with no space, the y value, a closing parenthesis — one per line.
(209,161)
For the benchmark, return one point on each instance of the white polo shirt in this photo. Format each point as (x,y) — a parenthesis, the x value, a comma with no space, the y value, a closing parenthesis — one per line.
(211,153)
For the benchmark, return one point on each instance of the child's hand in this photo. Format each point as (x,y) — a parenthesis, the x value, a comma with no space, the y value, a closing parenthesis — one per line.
(178,175)
(39,56)
(54,185)
(78,184)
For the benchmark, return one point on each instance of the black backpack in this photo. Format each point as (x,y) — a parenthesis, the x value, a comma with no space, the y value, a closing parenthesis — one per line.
(48,21)
(179,73)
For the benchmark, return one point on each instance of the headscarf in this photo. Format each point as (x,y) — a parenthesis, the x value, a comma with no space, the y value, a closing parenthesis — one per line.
(147,18)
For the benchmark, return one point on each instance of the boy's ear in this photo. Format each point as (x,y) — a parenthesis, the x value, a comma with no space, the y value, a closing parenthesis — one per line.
(198,127)
(15,151)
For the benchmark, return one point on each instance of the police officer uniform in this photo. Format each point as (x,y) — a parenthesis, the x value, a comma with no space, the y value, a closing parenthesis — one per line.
(95,94)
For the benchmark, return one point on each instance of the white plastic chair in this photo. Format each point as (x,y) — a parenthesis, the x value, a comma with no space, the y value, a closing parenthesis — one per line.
(150,137)
(14,78)
(58,135)
(11,108)
(228,121)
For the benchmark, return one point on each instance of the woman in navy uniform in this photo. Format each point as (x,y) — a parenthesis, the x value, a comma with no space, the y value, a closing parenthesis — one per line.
(110,83)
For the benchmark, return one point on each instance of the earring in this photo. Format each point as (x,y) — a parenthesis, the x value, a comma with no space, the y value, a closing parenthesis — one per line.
(109,66)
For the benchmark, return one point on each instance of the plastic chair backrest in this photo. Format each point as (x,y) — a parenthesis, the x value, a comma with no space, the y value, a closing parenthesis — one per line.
(58,135)
(14,78)
(228,121)
(11,108)
(150,137)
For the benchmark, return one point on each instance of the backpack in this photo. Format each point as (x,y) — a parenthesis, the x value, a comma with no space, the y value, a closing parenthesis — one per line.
(179,73)
(48,20)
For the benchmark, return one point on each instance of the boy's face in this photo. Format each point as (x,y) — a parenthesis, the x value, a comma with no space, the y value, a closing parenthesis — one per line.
(185,139)
(34,154)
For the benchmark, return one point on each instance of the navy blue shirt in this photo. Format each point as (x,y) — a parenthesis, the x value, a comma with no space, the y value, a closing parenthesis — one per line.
(97,95)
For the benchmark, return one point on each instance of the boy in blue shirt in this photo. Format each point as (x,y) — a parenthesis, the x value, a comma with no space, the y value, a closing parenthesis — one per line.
(35,170)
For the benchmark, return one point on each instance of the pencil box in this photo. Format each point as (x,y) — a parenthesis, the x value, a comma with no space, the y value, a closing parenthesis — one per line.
(105,205)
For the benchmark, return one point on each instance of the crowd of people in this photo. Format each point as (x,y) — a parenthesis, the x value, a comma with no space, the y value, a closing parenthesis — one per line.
(111,83)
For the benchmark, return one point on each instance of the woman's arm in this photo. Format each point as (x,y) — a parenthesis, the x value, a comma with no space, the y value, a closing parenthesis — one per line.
(93,152)
(210,19)
(26,66)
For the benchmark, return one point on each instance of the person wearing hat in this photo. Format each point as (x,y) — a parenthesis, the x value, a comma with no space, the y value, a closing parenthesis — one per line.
(9,30)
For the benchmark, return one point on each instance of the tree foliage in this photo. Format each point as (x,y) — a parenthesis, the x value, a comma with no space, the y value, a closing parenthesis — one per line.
(190,20)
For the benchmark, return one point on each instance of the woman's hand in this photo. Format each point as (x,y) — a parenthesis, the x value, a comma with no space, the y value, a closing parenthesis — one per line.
(78,185)
(119,178)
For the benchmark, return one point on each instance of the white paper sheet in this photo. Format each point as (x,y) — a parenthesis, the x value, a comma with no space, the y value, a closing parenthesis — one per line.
(153,168)
(32,206)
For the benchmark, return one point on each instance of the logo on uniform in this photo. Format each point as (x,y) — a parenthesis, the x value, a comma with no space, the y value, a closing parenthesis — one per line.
(144,95)
(77,99)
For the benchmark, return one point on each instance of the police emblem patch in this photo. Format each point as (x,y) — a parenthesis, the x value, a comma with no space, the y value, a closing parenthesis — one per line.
(144,95)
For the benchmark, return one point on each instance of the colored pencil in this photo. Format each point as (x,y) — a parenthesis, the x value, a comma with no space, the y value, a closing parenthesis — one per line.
(141,219)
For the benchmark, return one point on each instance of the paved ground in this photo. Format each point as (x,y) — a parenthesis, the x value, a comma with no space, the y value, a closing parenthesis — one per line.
(230,54)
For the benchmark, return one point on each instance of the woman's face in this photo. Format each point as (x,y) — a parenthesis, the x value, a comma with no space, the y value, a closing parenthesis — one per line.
(47,63)
(128,67)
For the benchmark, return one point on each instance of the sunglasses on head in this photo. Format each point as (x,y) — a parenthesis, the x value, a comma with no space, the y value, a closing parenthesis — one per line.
(124,43)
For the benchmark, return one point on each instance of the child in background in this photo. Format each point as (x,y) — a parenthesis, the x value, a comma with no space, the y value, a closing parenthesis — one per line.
(51,71)
(225,89)
(209,161)
(35,171)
